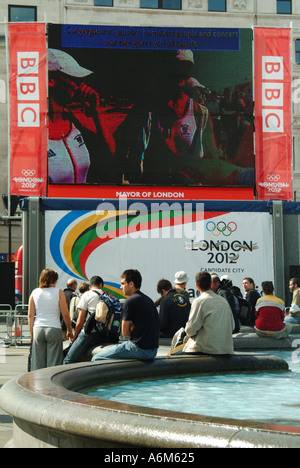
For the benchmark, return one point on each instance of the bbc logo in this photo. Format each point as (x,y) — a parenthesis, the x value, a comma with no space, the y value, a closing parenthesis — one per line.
(28,89)
(273,94)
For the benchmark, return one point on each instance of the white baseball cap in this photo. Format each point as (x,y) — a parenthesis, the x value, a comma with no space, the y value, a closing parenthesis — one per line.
(63,62)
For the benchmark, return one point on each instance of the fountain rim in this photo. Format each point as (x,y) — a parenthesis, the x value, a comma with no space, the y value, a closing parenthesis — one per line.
(55,401)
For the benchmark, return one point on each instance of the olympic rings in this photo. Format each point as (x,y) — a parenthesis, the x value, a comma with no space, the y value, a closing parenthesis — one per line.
(28,172)
(221,228)
(273,177)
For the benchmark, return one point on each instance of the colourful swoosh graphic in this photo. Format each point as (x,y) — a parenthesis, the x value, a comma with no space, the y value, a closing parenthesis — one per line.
(79,233)
(72,241)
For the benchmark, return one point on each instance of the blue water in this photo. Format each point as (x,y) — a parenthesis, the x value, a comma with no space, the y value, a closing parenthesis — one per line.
(267,397)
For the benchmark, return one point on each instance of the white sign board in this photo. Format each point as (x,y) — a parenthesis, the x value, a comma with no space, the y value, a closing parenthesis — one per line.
(81,244)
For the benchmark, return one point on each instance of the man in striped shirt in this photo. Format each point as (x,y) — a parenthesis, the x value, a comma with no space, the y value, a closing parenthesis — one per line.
(270,313)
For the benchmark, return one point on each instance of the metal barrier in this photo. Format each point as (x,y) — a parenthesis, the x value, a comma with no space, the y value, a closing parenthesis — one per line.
(14,328)
(6,324)
(20,330)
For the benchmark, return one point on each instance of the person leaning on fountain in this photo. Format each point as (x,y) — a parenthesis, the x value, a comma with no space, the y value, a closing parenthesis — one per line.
(83,340)
(210,325)
(140,323)
(270,313)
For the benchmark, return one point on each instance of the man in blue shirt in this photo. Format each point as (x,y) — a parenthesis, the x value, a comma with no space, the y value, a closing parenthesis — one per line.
(140,323)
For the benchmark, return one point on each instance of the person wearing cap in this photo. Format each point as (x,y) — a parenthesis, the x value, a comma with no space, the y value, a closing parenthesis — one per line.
(77,131)
(181,280)
(170,140)
(293,316)
(270,312)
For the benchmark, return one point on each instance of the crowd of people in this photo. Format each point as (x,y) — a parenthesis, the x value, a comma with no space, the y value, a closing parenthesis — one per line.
(91,317)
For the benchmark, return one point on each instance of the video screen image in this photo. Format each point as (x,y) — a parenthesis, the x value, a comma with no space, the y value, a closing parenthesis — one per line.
(150,106)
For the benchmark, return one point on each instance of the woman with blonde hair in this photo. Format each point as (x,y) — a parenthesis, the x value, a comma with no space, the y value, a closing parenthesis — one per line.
(46,303)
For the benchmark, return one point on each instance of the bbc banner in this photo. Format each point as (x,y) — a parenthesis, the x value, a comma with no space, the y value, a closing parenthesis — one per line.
(273,108)
(28,109)
(159,239)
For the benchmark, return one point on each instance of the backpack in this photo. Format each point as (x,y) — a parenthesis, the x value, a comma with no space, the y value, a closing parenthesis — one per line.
(107,317)
(245,313)
(234,305)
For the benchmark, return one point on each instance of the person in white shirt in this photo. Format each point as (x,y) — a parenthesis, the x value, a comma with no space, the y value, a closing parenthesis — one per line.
(46,303)
(86,306)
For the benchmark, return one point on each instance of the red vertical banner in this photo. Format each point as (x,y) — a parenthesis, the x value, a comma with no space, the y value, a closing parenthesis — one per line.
(273,114)
(28,108)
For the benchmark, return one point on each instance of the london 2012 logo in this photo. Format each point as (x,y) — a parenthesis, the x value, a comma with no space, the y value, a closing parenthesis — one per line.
(28,179)
(223,246)
(273,183)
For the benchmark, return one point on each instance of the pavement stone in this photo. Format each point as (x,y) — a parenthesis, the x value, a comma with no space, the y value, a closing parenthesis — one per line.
(13,363)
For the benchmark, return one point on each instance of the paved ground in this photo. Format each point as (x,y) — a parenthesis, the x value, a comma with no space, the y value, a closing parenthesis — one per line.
(13,362)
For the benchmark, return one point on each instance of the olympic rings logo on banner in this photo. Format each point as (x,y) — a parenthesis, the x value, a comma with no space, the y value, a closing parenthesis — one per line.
(28,172)
(273,177)
(221,228)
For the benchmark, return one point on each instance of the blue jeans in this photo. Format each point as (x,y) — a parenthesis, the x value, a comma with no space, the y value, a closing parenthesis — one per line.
(126,350)
(292,320)
(81,345)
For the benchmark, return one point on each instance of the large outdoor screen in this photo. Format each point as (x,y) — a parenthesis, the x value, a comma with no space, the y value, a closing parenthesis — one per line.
(150,106)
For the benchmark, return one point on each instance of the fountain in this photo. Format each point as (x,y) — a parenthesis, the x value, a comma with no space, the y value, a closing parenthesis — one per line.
(49,410)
